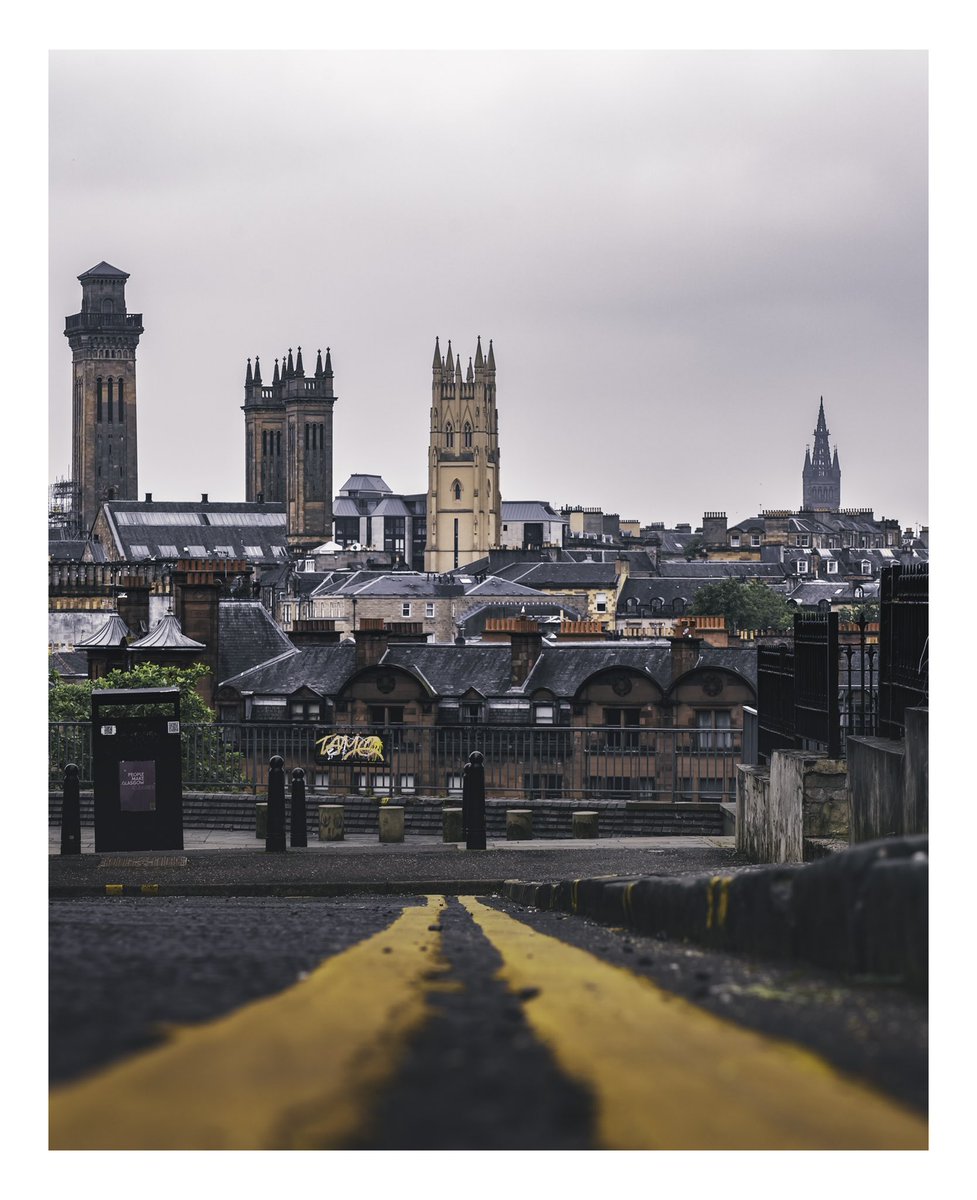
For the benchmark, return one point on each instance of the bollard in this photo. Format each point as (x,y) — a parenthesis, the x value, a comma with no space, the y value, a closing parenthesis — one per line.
(298,834)
(454,828)
(473,801)
(331,823)
(70,812)
(391,823)
(275,838)
(518,824)
(585,824)
(261,819)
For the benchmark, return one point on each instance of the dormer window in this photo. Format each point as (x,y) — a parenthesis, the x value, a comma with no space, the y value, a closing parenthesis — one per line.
(802,566)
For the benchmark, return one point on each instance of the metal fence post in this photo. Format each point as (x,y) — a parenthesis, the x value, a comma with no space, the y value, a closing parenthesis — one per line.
(473,801)
(298,834)
(71,812)
(275,836)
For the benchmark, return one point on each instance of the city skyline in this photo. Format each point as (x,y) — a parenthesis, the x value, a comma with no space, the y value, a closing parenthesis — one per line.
(676,254)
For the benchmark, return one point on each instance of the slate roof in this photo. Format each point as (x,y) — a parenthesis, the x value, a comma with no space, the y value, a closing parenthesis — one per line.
(415,584)
(722,569)
(473,622)
(450,671)
(365,483)
(344,506)
(113,633)
(561,574)
(167,635)
(248,636)
(66,549)
(69,664)
(104,268)
(812,591)
(163,529)
(529,510)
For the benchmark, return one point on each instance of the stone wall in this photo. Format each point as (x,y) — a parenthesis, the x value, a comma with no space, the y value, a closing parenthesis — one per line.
(801,795)
(876,774)
(916,788)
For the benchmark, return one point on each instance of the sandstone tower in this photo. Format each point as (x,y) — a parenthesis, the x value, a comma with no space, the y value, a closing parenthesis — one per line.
(822,473)
(288,444)
(464,506)
(103,339)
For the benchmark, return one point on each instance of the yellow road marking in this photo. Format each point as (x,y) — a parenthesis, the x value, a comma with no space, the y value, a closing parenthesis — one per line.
(668,1075)
(292,1071)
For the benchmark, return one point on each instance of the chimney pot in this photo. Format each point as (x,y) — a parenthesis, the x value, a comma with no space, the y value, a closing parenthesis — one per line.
(203,497)
(149,497)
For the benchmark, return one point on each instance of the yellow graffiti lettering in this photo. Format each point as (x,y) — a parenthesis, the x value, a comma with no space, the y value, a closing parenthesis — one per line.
(343,747)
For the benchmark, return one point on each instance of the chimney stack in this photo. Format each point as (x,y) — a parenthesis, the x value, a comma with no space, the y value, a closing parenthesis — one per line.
(526,641)
(685,654)
(371,642)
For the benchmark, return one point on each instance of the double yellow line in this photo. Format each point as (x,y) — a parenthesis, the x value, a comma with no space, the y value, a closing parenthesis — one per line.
(301,1070)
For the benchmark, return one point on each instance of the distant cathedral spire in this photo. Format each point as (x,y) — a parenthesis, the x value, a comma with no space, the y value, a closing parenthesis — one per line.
(822,471)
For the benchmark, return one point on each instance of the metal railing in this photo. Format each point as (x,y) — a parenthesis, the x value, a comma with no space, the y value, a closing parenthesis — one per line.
(531,762)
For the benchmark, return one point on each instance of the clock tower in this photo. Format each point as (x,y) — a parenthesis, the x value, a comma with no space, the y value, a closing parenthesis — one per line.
(103,339)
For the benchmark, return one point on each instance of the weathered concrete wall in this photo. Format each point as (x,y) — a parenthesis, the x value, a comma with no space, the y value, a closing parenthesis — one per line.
(787,770)
(801,794)
(916,795)
(876,783)
(825,801)
(752,805)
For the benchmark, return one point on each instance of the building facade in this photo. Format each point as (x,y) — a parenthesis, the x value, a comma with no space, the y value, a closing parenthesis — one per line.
(464,505)
(103,339)
(288,444)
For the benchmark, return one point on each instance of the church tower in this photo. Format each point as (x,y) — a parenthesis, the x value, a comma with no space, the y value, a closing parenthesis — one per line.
(103,339)
(822,473)
(288,444)
(464,505)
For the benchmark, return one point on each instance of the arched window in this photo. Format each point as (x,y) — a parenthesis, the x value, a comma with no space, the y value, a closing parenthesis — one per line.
(468,436)
(98,399)
(456,490)
(119,399)
(449,436)
(108,306)
(110,400)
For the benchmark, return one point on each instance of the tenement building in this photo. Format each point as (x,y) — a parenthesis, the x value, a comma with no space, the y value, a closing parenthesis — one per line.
(103,339)
(288,444)
(464,505)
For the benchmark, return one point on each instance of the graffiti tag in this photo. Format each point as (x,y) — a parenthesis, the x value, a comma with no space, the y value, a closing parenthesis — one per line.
(343,747)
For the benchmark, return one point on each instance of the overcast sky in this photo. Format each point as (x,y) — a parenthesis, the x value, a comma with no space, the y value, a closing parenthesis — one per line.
(676,255)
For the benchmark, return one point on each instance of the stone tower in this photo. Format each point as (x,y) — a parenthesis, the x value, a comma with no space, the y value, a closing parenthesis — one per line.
(464,506)
(103,339)
(822,473)
(288,444)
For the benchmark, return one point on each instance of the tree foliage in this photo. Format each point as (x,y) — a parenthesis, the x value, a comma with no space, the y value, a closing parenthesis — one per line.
(73,701)
(869,608)
(745,605)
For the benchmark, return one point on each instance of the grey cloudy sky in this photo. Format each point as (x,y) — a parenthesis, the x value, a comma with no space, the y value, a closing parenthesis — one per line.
(676,254)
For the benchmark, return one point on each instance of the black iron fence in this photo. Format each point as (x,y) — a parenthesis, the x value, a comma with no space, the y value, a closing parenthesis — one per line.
(816,689)
(903,645)
(538,762)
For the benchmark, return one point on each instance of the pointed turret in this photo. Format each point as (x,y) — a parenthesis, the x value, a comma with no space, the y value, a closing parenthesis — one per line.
(491,357)
(479,361)
(437,355)
(299,369)
(248,378)
(290,369)
(276,378)
(328,366)
(449,363)
(471,373)
(257,372)
(318,364)
(458,369)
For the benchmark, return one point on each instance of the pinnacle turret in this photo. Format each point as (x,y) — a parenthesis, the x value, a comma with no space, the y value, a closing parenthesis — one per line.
(257,372)
(299,369)
(248,378)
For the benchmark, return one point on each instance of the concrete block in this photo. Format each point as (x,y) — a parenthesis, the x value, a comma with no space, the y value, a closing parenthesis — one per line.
(585,824)
(876,784)
(261,819)
(518,824)
(758,915)
(391,823)
(916,784)
(673,907)
(332,823)
(452,825)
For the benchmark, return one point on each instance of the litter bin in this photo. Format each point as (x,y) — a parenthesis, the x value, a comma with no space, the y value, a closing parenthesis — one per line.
(137,769)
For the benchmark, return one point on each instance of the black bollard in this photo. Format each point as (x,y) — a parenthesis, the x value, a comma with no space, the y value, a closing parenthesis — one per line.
(298,834)
(473,801)
(275,837)
(70,812)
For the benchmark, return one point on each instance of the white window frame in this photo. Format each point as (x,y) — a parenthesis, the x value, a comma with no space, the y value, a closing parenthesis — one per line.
(429,608)
(802,566)
(831,565)
(405,609)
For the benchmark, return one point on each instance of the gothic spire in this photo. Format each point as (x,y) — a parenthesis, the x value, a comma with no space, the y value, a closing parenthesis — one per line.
(257,371)
(328,366)
(471,373)
(276,377)
(318,364)
(449,362)
(299,369)
(491,357)
(248,378)
(479,361)
(290,370)
(437,355)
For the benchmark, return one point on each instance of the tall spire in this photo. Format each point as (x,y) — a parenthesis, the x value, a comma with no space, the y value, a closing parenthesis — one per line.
(290,369)
(328,366)
(257,371)
(276,378)
(299,369)
(471,373)
(248,378)
(437,355)
(318,364)
(479,361)
(449,362)
(491,357)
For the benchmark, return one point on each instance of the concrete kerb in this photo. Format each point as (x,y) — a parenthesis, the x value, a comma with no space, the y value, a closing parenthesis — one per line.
(862,911)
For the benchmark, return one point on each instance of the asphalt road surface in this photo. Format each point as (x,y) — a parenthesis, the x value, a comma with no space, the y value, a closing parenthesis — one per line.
(382,1022)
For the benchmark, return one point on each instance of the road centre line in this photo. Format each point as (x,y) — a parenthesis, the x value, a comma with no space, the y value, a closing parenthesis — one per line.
(668,1075)
(293,1071)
